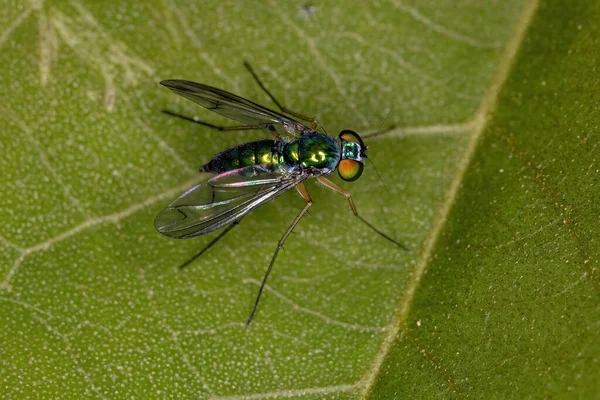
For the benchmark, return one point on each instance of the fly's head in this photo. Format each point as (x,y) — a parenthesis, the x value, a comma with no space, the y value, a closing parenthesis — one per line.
(351,163)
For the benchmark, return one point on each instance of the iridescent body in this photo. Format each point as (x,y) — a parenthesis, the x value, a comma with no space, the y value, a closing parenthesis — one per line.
(311,151)
(254,173)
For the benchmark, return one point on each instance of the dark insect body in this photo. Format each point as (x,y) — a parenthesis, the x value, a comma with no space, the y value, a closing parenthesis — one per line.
(251,174)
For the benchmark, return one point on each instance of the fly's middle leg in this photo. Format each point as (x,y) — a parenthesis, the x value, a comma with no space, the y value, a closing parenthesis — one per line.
(338,189)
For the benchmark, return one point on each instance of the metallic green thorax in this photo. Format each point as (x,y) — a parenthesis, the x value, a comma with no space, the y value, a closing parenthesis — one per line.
(314,151)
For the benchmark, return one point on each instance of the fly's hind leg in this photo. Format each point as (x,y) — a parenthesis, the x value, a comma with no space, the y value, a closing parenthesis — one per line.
(304,193)
(283,109)
(338,189)
(269,127)
(208,246)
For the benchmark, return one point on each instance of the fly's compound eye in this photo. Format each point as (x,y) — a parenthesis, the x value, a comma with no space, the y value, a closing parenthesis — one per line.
(351,136)
(350,170)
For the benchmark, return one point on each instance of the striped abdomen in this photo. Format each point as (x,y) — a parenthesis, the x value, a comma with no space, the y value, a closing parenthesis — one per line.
(264,152)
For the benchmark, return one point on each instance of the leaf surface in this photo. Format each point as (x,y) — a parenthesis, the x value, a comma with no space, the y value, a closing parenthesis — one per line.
(92,302)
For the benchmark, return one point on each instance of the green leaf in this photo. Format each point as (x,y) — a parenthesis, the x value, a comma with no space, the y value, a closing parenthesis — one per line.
(92,301)
(508,306)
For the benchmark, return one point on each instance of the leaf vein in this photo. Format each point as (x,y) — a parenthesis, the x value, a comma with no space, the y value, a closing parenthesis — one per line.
(486,107)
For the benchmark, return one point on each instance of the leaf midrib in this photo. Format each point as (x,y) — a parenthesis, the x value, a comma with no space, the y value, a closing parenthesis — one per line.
(479,124)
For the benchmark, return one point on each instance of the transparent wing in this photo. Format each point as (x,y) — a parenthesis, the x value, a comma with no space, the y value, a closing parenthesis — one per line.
(222,200)
(234,107)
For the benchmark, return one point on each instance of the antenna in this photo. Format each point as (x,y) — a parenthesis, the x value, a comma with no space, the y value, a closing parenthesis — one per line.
(382,182)
(379,131)
(374,136)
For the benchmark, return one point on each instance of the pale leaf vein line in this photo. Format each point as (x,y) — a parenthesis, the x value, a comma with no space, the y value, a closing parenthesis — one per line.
(571,286)
(14,25)
(429,130)
(174,335)
(91,222)
(321,62)
(486,107)
(289,393)
(55,332)
(422,74)
(164,145)
(25,305)
(323,317)
(48,44)
(404,64)
(8,243)
(434,26)
(197,43)
(74,357)
(540,229)
(45,161)
(211,331)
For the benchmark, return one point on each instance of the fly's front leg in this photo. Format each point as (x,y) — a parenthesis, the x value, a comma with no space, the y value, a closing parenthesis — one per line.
(313,121)
(304,193)
(338,189)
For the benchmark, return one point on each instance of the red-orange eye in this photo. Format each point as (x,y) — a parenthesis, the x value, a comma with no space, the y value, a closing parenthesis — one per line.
(350,170)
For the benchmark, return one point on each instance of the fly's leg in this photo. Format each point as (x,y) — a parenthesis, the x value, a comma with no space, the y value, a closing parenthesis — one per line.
(208,246)
(338,189)
(304,193)
(269,127)
(314,122)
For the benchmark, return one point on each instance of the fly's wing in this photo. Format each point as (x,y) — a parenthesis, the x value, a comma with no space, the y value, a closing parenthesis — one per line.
(222,200)
(234,107)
